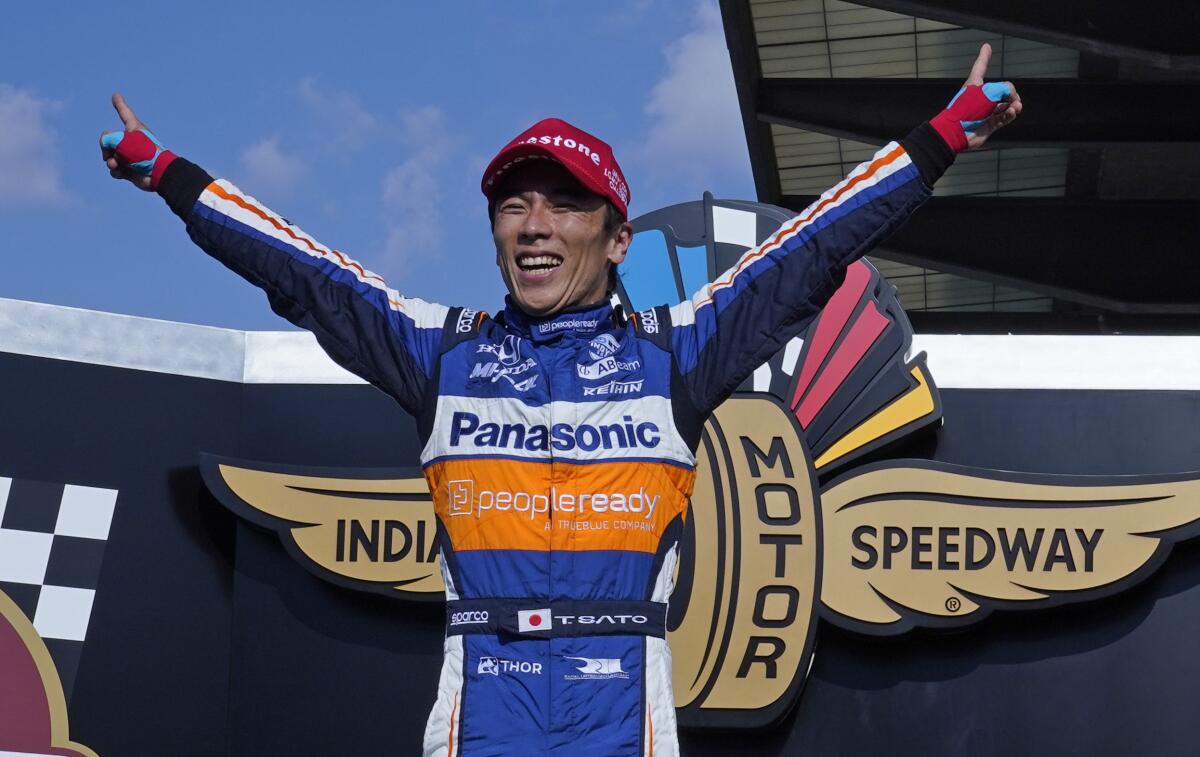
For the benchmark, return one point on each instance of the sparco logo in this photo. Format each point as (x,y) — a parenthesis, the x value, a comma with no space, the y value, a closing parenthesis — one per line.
(468,617)
(649,321)
(466,319)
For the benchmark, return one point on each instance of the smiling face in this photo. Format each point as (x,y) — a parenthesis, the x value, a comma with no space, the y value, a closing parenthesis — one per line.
(553,244)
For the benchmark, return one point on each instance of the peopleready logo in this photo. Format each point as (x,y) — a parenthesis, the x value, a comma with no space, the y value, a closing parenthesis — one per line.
(463,499)
(579,324)
(467,430)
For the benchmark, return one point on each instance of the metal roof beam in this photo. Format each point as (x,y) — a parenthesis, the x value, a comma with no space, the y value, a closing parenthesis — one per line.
(1161,33)
(1070,112)
(1125,256)
(747,73)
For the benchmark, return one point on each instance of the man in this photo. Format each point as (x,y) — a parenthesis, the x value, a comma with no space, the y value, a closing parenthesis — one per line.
(559,435)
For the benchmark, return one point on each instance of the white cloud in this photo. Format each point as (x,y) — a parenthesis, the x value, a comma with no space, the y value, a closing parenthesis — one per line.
(28,149)
(341,115)
(628,13)
(695,131)
(270,170)
(412,191)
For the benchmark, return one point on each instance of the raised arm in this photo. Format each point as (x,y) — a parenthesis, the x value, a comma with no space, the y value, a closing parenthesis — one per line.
(731,325)
(390,340)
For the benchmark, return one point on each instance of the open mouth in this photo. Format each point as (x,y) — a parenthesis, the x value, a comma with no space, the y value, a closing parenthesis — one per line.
(538,265)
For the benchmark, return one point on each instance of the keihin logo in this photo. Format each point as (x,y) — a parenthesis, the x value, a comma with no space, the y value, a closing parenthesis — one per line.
(595,669)
(466,429)
(499,666)
(613,387)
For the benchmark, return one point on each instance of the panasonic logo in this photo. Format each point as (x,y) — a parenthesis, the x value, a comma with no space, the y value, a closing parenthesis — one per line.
(467,429)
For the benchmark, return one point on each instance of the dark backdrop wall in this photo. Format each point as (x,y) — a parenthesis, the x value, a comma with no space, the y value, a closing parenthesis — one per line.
(206,638)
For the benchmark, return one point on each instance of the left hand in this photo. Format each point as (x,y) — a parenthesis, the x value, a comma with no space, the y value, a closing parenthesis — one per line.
(979,109)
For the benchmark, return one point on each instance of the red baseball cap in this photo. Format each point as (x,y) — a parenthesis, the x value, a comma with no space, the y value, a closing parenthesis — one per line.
(589,159)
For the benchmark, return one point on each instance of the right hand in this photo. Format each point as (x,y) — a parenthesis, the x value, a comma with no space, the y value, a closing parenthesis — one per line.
(979,109)
(133,154)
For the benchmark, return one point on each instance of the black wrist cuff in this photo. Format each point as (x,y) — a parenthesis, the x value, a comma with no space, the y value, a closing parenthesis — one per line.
(181,185)
(929,152)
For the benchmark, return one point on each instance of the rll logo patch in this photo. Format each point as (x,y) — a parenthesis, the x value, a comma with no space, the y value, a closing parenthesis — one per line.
(595,669)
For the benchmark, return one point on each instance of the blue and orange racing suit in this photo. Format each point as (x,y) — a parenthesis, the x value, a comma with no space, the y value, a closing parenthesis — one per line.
(560,451)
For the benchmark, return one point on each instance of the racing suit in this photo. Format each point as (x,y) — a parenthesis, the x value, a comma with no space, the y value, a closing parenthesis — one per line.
(559,451)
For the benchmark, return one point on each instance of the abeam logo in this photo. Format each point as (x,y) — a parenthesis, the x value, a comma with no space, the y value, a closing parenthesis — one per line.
(467,429)
(606,367)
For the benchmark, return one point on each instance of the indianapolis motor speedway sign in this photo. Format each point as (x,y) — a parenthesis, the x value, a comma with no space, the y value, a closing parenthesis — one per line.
(881,549)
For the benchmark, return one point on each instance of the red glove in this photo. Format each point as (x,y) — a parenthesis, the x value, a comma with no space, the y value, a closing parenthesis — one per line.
(972,106)
(140,152)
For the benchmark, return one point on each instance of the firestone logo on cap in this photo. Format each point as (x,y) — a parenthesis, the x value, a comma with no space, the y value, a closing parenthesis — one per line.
(589,159)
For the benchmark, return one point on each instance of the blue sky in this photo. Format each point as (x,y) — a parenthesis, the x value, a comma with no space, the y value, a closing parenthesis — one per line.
(366,124)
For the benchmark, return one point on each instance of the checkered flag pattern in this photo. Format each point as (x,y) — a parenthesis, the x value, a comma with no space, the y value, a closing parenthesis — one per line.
(52,539)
